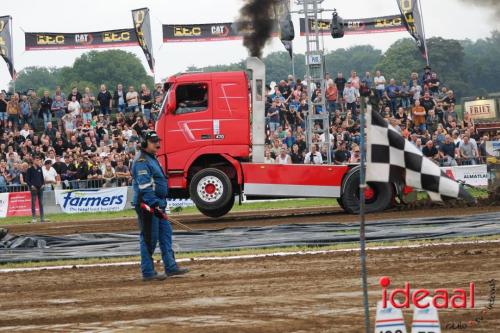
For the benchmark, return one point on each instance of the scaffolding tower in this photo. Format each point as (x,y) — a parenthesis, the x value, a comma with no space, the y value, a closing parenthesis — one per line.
(315,75)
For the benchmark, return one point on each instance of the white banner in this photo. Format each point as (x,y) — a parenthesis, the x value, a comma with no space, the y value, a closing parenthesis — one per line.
(474,175)
(4,204)
(92,200)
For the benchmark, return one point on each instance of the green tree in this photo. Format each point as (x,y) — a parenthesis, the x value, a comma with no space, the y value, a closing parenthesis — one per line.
(400,60)
(360,58)
(482,64)
(90,70)
(38,78)
(108,67)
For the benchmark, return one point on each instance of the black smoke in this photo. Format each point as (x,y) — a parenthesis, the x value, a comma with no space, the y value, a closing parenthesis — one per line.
(492,4)
(256,23)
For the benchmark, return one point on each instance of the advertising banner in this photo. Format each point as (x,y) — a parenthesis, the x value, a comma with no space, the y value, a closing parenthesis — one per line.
(16,204)
(4,204)
(142,28)
(474,175)
(6,43)
(482,109)
(370,25)
(80,40)
(209,32)
(20,204)
(92,200)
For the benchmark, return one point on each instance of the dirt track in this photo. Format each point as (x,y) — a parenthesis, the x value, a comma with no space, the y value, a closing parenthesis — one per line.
(286,216)
(308,293)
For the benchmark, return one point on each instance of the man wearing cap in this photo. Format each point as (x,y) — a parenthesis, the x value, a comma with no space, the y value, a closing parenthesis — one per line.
(150,192)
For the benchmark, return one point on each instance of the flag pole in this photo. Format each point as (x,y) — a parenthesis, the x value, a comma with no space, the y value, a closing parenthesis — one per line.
(362,239)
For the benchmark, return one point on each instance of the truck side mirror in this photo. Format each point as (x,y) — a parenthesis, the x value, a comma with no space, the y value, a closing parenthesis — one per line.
(171,102)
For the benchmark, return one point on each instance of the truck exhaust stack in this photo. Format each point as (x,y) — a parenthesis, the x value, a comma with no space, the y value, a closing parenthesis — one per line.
(258,86)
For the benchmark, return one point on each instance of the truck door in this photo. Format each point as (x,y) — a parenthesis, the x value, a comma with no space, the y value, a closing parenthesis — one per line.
(190,127)
(231,109)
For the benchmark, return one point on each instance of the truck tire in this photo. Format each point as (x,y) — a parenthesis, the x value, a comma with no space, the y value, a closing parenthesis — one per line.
(211,190)
(215,213)
(379,198)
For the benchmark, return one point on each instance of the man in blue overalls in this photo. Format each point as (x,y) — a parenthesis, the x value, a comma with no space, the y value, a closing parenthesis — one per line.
(150,192)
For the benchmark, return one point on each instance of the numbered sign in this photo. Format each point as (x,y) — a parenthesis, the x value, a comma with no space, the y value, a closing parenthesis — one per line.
(426,320)
(389,320)
(314,59)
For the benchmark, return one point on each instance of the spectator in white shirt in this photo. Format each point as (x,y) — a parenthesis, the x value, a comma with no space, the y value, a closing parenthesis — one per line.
(25,132)
(74,107)
(379,81)
(283,157)
(313,157)
(50,174)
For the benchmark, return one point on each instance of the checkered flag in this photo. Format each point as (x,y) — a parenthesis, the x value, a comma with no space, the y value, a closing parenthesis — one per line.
(392,158)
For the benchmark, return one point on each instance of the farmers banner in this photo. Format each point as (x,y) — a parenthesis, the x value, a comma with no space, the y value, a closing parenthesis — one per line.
(370,25)
(92,200)
(6,43)
(474,175)
(15,204)
(142,28)
(80,40)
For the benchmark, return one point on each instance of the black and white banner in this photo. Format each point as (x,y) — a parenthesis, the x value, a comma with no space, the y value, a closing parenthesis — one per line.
(142,27)
(410,10)
(6,43)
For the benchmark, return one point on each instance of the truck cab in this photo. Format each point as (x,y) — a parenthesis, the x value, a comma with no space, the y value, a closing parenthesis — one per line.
(212,129)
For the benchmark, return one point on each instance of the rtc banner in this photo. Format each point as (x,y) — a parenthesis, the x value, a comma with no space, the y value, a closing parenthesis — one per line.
(81,40)
(15,204)
(92,200)
(392,23)
(412,20)
(474,175)
(209,32)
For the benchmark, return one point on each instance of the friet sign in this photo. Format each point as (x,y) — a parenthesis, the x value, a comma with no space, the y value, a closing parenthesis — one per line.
(482,109)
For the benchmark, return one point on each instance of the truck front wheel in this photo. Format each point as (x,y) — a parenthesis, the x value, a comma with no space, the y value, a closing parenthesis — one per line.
(378,196)
(211,191)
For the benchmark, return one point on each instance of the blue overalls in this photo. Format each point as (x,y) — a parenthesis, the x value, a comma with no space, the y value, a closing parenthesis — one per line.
(151,187)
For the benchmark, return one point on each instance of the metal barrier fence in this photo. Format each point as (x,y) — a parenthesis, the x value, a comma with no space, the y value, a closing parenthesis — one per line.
(14,188)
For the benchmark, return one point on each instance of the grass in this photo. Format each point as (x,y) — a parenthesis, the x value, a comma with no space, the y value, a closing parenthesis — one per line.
(130,213)
(249,251)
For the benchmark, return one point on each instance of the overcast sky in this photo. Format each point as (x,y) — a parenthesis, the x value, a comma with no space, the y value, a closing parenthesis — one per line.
(446,18)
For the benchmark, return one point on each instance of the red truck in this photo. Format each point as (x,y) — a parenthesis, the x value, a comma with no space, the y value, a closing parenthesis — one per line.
(212,128)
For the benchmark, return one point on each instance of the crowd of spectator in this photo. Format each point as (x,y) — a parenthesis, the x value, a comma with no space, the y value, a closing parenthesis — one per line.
(78,139)
(421,108)
(88,139)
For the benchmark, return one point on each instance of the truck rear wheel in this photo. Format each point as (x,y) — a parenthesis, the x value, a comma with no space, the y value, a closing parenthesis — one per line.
(378,196)
(211,191)
(215,213)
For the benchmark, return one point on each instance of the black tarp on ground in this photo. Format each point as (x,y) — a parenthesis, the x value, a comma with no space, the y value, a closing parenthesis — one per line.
(37,248)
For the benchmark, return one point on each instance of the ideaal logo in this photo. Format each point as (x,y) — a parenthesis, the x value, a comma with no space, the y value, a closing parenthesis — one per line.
(460,298)
(81,199)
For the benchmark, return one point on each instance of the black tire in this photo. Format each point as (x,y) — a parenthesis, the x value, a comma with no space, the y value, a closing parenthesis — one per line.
(211,190)
(215,213)
(381,200)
